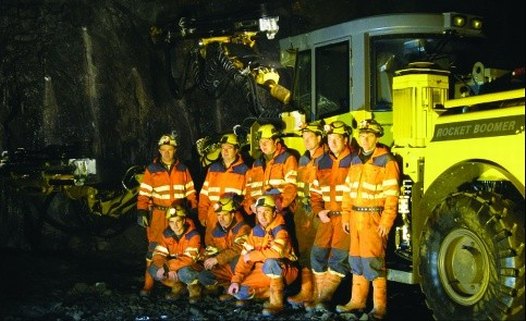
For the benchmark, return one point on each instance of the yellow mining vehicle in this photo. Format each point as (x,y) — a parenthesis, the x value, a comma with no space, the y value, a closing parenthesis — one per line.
(457,129)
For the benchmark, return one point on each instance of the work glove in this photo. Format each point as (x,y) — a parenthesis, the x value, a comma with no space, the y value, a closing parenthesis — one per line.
(142,218)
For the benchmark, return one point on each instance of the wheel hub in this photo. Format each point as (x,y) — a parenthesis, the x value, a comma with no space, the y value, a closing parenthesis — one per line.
(463,266)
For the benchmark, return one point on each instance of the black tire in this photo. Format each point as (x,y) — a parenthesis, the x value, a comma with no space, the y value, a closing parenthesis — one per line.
(472,259)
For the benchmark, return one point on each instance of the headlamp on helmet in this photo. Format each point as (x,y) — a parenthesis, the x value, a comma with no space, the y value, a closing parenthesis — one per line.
(175,211)
(230,139)
(337,127)
(314,127)
(266,201)
(267,131)
(371,126)
(167,139)
(225,204)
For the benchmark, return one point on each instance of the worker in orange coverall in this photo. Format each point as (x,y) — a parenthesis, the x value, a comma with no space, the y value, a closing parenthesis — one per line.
(304,219)
(274,173)
(267,260)
(331,245)
(165,180)
(174,260)
(225,176)
(222,253)
(369,211)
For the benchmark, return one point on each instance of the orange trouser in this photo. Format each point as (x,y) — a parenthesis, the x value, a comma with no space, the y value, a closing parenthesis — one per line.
(258,279)
(367,250)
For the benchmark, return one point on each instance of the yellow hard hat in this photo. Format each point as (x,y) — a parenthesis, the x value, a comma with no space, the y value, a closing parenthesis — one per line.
(371,126)
(167,139)
(266,201)
(225,204)
(314,127)
(175,211)
(230,139)
(267,131)
(338,127)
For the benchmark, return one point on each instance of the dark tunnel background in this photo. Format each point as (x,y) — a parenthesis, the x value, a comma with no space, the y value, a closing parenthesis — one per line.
(90,80)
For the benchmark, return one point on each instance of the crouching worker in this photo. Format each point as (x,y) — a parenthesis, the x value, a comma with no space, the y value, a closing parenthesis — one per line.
(267,262)
(174,258)
(226,242)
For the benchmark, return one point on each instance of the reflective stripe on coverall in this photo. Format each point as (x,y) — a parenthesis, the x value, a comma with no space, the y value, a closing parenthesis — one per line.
(228,244)
(158,189)
(374,184)
(304,219)
(277,174)
(327,192)
(178,253)
(262,244)
(220,180)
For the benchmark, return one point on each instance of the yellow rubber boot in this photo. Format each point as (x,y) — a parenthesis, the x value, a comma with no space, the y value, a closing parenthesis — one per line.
(275,305)
(379,299)
(332,281)
(305,294)
(177,288)
(148,281)
(194,292)
(360,290)
(319,281)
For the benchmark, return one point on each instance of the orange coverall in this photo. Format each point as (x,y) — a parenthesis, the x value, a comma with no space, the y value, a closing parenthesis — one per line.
(270,243)
(304,220)
(228,244)
(159,188)
(372,201)
(277,174)
(220,180)
(331,243)
(177,252)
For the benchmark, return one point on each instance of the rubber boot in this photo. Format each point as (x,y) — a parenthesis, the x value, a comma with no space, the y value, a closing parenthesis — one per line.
(177,288)
(319,280)
(379,299)
(277,287)
(332,281)
(194,292)
(360,290)
(213,290)
(305,294)
(148,281)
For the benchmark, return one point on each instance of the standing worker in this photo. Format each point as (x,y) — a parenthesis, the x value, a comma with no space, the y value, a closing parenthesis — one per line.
(224,176)
(369,211)
(329,252)
(304,221)
(274,173)
(165,180)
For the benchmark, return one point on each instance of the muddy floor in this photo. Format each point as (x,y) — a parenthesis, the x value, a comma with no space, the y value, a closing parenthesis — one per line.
(100,280)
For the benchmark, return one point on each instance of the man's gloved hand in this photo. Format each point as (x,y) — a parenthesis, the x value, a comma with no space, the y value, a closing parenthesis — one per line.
(142,218)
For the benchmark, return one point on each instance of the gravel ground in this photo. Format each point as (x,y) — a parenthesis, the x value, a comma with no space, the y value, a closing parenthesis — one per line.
(66,286)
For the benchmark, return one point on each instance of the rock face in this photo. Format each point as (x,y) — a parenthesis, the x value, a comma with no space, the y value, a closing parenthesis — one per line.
(84,79)
(79,73)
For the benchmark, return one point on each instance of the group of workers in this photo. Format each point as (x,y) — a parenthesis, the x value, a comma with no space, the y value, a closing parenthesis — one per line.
(251,231)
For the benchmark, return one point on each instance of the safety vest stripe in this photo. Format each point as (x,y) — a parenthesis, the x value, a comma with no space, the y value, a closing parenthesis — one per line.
(146,187)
